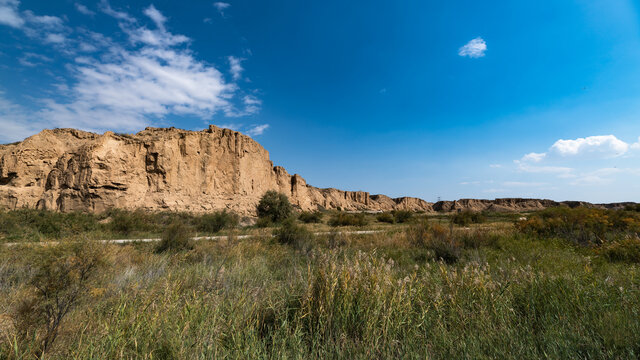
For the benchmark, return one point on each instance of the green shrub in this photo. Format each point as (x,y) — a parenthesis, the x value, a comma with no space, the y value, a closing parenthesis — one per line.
(127,222)
(385,218)
(264,222)
(583,226)
(176,237)
(402,216)
(468,217)
(437,239)
(214,222)
(346,219)
(623,250)
(632,207)
(309,217)
(290,233)
(61,274)
(275,206)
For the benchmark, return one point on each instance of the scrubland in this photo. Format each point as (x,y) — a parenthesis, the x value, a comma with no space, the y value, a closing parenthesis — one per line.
(560,284)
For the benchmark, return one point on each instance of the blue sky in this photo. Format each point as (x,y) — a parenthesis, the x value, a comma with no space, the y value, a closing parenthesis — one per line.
(431,99)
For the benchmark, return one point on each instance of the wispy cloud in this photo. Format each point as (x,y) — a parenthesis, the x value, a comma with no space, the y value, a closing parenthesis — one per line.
(257,130)
(235,67)
(221,6)
(9,14)
(474,48)
(126,86)
(84,10)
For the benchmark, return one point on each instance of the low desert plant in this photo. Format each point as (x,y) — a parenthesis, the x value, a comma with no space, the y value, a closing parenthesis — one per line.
(275,206)
(176,237)
(436,238)
(214,222)
(290,233)
(402,216)
(385,218)
(623,250)
(468,217)
(309,217)
(60,280)
(346,219)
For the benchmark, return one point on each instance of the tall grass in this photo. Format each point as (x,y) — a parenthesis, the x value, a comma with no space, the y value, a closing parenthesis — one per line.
(509,295)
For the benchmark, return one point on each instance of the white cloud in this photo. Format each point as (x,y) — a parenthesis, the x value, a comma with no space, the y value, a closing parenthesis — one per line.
(221,6)
(106,8)
(560,170)
(9,14)
(45,21)
(523,184)
(15,121)
(534,157)
(235,67)
(84,10)
(605,146)
(156,16)
(124,88)
(474,48)
(257,130)
(32,59)
(55,38)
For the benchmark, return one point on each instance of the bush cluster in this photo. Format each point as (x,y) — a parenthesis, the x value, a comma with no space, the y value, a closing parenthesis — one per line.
(468,217)
(274,206)
(395,216)
(176,237)
(290,233)
(583,226)
(309,217)
(217,221)
(436,238)
(347,219)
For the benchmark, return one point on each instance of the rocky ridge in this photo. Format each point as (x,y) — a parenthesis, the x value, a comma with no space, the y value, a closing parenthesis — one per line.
(172,169)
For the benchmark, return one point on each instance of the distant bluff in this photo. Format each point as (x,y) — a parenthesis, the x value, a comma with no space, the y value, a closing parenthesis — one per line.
(180,170)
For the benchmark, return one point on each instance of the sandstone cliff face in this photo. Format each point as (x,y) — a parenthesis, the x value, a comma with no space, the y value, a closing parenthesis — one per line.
(172,169)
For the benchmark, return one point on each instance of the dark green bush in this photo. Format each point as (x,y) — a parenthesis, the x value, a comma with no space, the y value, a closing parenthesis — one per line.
(402,216)
(264,222)
(127,222)
(468,217)
(632,207)
(176,237)
(290,233)
(437,239)
(42,223)
(346,219)
(385,218)
(275,206)
(214,222)
(309,217)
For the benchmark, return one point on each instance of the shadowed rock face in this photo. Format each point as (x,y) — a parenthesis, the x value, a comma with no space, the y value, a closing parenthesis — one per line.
(173,169)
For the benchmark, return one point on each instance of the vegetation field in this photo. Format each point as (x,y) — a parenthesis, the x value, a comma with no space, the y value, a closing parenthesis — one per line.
(559,284)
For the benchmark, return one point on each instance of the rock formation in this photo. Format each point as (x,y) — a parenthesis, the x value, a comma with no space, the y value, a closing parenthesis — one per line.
(173,169)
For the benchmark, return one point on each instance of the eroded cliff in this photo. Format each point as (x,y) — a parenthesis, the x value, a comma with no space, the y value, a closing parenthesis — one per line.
(160,168)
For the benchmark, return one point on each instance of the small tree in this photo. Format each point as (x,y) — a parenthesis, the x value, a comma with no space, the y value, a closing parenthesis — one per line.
(60,280)
(275,206)
(176,237)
